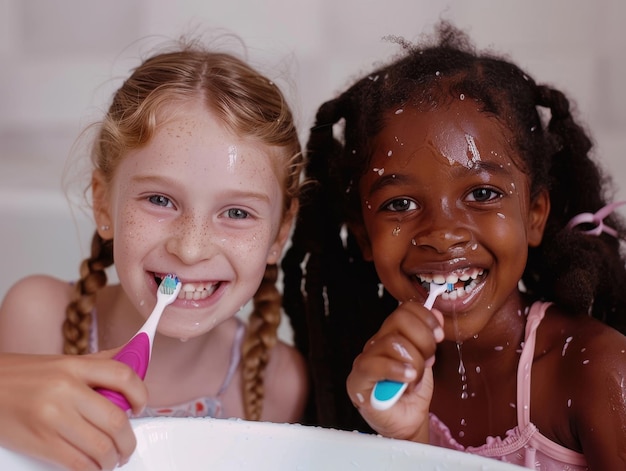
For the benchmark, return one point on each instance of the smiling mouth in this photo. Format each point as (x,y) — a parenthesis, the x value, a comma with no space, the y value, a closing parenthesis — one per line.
(193,290)
(464,281)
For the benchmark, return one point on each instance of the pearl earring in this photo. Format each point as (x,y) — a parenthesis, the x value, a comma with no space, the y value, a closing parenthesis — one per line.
(104,227)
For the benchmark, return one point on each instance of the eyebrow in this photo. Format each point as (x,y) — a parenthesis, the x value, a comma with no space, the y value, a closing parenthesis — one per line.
(404,179)
(230,192)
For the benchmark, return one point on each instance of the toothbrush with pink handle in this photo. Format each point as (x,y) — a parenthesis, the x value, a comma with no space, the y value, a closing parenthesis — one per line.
(136,353)
(387,392)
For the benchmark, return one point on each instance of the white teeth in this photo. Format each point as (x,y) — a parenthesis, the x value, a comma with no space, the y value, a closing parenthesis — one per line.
(470,273)
(439,279)
(196,291)
(453,278)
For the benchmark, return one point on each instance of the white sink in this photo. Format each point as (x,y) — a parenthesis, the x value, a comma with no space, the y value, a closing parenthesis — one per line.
(187,444)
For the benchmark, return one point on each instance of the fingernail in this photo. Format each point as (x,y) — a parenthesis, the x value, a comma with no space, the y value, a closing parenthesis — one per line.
(438,333)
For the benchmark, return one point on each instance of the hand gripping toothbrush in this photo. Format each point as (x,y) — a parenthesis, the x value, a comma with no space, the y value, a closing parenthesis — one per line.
(136,353)
(387,392)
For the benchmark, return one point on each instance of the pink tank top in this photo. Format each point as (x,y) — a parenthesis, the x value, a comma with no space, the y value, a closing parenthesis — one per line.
(523,445)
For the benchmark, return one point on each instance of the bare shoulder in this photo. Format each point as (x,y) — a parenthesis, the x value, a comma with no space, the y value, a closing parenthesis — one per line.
(286,385)
(591,372)
(32,313)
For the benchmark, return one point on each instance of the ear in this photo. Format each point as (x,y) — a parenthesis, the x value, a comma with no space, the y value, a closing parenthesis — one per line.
(537,218)
(284,232)
(360,234)
(101,205)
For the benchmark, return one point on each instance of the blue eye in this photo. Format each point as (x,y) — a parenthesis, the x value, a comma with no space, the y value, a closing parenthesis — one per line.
(484,194)
(400,205)
(236,213)
(160,200)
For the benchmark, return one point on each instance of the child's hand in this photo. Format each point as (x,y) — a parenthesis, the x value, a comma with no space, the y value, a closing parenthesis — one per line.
(402,350)
(49,410)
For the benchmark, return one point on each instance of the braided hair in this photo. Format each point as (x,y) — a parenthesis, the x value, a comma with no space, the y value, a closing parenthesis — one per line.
(333,296)
(249,104)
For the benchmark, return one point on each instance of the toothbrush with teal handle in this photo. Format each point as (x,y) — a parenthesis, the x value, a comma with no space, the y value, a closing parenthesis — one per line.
(136,353)
(387,392)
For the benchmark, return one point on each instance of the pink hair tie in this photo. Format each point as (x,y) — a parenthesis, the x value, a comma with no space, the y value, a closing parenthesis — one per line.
(596,218)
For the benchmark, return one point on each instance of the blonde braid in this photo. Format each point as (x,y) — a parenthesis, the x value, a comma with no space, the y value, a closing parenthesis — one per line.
(77,324)
(261,337)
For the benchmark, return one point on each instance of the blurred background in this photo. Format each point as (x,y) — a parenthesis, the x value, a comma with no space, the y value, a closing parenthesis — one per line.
(61,60)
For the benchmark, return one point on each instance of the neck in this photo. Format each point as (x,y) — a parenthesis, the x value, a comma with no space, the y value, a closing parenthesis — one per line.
(495,348)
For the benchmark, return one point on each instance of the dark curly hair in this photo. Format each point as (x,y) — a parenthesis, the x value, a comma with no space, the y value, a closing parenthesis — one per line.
(334,298)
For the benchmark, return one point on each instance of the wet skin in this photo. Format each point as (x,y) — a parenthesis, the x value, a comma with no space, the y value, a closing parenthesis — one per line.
(200,202)
(445,199)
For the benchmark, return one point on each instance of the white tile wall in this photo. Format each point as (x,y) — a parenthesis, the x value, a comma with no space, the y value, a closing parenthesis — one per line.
(61,59)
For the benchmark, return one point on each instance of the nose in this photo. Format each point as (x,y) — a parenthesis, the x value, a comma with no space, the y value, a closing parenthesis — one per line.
(192,240)
(442,229)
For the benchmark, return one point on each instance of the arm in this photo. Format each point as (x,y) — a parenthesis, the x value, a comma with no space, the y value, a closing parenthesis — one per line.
(49,410)
(600,401)
(402,350)
(32,314)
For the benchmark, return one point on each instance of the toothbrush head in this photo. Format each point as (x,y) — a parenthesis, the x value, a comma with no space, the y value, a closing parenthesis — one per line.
(436,290)
(169,283)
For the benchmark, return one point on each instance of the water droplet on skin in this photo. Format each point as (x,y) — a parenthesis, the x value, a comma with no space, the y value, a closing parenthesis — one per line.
(498,348)
(183,340)
(569,403)
(400,111)
(389,153)
(585,362)
(462,97)
(567,341)
(396,231)
(501,216)
(403,352)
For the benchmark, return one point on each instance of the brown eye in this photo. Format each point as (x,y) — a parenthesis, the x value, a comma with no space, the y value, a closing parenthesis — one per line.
(400,204)
(484,194)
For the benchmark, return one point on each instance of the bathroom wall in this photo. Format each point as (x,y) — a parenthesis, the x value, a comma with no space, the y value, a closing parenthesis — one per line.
(60,61)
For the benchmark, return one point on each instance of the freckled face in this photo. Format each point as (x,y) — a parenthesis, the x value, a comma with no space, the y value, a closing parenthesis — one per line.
(200,202)
(444,199)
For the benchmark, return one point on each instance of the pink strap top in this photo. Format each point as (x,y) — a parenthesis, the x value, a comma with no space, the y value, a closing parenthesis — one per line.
(207,406)
(523,445)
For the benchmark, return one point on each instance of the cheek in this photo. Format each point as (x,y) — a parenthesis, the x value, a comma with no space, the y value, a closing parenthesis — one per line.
(252,247)
(131,232)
